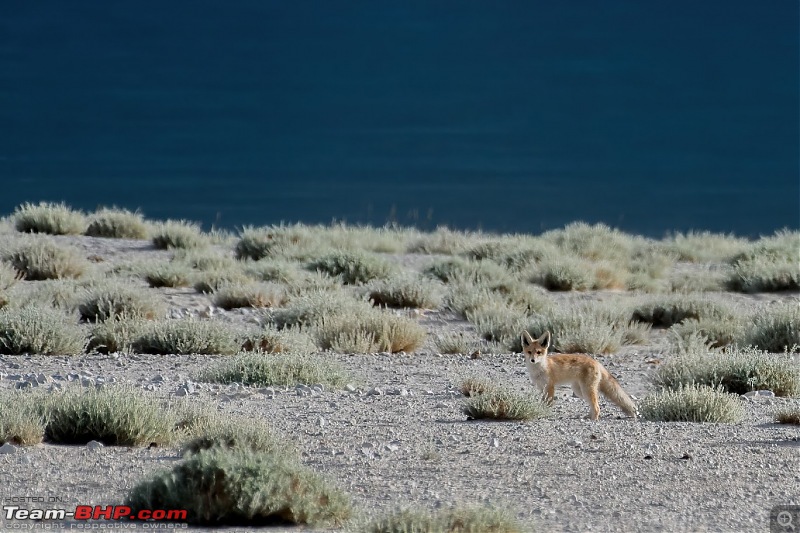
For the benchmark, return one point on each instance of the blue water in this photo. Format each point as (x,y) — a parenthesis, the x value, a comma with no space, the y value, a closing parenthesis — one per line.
(506,116)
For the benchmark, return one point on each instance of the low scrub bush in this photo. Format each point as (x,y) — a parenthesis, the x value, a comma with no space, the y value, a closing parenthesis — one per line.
(117,224)
(353,267)
(309,309)
(241,487)
(210,281)
(705,247)
(114,299)
(168,275)
(593,242)
(42,259)
(284,370)
(48,217)
(204,259)
(737,370)
(237,295)
(454,343)
(118,416)
(186,337)
(777,329)
(581,329)
(458,520)
(766,274)
(715,332)
(39,330)
(692,403)
(178,234)
(502,404)
(276,270)
(667,310)
(368,332)
(789,415)
(498,323)
(273,340)
(564,274)
(442,241)
(20,422)
(465,271)
(234,433)
(406,292)
(116,335)
(295,242)
(516,255)
(472,386)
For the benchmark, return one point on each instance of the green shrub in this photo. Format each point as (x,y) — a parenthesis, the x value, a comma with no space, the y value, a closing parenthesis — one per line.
(700,278)
(667,310)
(705,247)
(168,275)
(458,520)
(765,274)
(473,386)
(287,340)
(47,217)
(43,259)
(118,416)
(187,337)
(777,329)
(692,403)
(716,332)
(113,299)
(737,370)
(39,330)
(115,335)
(369,331)
(309,309)
(464,271)
(117,224)
(581,328)
(503,404)
(454,343)
(9,276)
(498,323)
(514,254)
(406,291)
(564,274)
(204,259)
(20,423)
(789,415)
(234,433)
(240,487)
(277,270)
(283,370)
(234,296)
(353,267)
(178,234)
(295,242)
(442,241)
(592,241)
(211,281)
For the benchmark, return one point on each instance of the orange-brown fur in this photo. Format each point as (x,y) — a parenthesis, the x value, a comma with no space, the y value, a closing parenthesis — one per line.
(586,376)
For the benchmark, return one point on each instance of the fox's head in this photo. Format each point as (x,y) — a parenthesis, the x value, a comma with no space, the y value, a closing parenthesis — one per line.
(535,350)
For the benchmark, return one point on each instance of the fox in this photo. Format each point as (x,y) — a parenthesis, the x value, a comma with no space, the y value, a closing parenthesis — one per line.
(587,376)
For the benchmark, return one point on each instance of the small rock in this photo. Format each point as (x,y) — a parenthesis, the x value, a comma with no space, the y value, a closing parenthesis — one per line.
(321,422)
(494,442)
(8,448)
(576,443)
(269,392)
(375,391)
(24,385)
(349,388)
(93,445)
(318,387)
(393,446)
(766,393)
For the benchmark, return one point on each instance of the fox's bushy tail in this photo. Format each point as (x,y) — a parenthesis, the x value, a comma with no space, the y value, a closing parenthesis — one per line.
(613,391)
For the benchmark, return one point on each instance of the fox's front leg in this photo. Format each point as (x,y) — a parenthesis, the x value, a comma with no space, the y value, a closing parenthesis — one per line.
(550,393)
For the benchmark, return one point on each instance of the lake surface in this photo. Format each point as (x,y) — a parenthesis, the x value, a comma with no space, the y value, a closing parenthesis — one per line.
(506,116)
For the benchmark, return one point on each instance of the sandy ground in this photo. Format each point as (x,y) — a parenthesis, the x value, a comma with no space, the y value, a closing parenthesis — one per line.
(412,447)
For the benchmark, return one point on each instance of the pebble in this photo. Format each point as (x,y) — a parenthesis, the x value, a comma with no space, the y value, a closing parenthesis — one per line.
(375,391)
(575,443)
(94,445)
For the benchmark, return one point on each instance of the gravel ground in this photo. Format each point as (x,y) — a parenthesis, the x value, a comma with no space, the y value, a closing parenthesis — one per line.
(410,445)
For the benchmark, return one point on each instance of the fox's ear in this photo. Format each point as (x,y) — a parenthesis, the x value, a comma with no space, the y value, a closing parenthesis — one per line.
(526,338)
(544,340)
